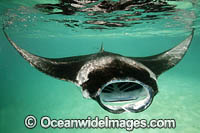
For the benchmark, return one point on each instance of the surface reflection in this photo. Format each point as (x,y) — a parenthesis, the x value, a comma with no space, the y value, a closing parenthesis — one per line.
(105,14)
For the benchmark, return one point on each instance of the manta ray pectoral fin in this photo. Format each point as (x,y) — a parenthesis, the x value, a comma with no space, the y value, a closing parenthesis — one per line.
(162,62)
(61,68)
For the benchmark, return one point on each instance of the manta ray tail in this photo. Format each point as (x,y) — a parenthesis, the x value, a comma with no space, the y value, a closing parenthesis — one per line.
(162,62)
(102,48)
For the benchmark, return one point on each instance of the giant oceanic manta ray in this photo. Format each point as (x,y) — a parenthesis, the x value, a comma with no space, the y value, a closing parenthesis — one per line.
(118,83)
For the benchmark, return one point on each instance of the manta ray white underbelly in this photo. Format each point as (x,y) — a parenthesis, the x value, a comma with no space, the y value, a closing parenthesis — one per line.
(118,83)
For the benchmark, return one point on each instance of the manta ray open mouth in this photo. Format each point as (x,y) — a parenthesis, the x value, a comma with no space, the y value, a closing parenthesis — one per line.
(127,95)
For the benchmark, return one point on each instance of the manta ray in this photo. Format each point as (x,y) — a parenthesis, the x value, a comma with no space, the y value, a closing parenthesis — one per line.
(118,83)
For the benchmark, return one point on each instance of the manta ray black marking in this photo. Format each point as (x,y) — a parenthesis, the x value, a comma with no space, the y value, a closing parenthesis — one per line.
(118,83)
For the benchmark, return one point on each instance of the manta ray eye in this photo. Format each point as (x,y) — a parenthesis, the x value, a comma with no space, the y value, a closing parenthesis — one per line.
(127,95)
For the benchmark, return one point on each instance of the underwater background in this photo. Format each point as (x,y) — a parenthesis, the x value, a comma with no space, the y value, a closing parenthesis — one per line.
(45,29)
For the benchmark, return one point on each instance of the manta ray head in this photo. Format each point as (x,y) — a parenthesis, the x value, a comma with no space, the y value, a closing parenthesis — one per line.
(118,83)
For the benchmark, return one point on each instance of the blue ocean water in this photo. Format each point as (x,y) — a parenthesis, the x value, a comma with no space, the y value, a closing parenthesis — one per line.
(24,90)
